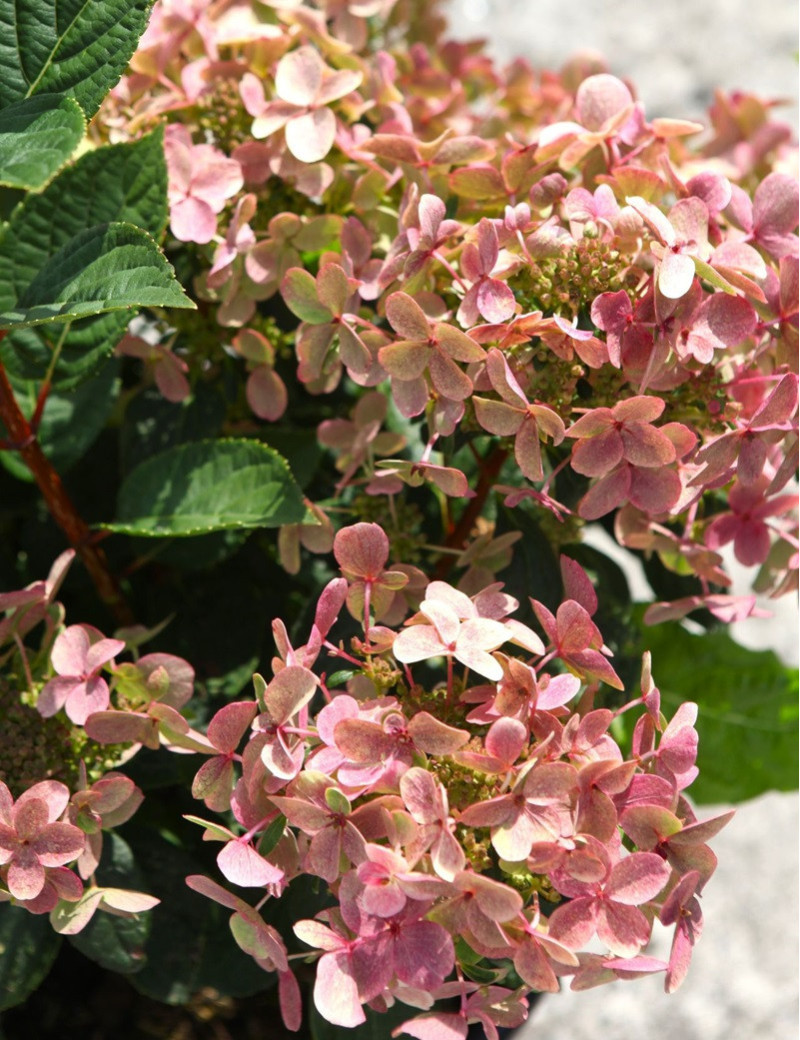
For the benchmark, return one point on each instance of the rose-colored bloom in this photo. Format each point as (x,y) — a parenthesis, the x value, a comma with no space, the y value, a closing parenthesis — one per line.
(681,239)
(304,87)
(31,839)
(201,180)
(78,655)
(745,525)
(610,907)
(487,296)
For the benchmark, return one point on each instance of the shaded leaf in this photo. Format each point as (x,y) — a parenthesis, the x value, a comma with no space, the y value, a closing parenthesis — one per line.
(77,47)
(106,268)
(70,422)
(37,136)
(190,945)
(748,715)
(29,946)
(116,943)
(208,486)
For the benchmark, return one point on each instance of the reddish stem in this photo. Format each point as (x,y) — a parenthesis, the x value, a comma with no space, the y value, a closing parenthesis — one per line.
(22,437)
(490,469)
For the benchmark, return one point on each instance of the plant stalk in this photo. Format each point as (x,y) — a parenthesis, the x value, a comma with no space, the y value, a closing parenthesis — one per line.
(23,438)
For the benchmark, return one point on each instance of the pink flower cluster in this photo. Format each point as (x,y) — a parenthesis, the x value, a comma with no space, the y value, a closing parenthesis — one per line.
(588,287)
(51,834)
(463,800)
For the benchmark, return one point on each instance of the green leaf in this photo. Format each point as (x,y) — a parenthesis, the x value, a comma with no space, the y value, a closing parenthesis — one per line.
(153,424)
(748,715)
(71,422)
(190,945)
(28,947)
(37,136)
(535,571)
(77,47)
(107,268)
(208,486)
(116,943)
(123,182)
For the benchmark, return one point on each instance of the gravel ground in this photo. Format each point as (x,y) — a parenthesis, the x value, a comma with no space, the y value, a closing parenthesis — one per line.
(743,981)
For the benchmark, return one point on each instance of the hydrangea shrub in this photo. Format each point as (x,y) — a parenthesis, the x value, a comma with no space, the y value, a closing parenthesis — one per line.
(420,324)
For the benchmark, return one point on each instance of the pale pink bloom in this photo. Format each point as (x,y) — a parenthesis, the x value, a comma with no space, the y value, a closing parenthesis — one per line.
(606,436)
(682,842)
(237,306)
(681,239)
(426,801)
(31,841)
(487,296)
(610,907)
(339,971)
(537,808)
(536,952)
(110,801)
(603,107)
(770,219)
(747,445)
(389,882)
(469,642)
(214,780)
(304,87)
(285,698)
(174,26)
(78,656)
(201,180)
(432,346)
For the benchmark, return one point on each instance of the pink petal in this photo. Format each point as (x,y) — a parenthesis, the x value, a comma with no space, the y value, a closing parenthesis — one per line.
(290,690)
(58,843)
(624,929)
(495,300)
(638,878)
(101,652)
(775,204)
(600,98)
(417,643)
(362,550)
(86,698)
(69,651)
(229,725)
(299,76)
(437,1025)
(654,490)
(52,792)
(310,137)
(336,993)
(54,695)
(423,955)
(574,923)
(266,394)
(595,456)
(242,865)
(407,317)
(26,875)
(675,275)
(193,220)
